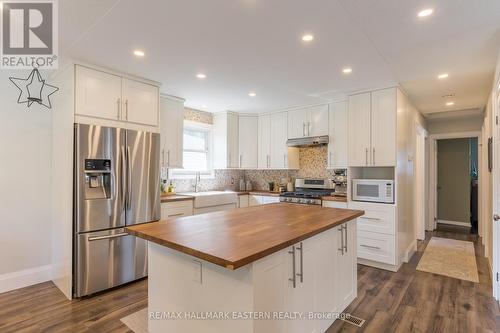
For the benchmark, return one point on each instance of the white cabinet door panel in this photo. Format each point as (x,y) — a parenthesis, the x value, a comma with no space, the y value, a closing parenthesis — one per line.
(379,218)
(140,102)
(264,141)
(383,134)
(171,129)
(279,149)
(248,133)
(359,129)
(377,247)
(98,94)
(297,122)
(317,120)
(338,134)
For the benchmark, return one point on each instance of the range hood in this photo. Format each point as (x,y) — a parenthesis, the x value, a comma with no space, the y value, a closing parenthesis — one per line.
(309,141)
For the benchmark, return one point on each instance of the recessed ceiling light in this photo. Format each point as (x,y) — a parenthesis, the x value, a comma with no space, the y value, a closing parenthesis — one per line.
(139,53)
(307,38)
(201,76)
(204,106)
(252,94)
(450,103)
(425,12)
(347,70)
(442,76)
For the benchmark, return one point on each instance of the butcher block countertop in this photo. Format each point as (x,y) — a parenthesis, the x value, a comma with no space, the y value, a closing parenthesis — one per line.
(237,237)
(175,197)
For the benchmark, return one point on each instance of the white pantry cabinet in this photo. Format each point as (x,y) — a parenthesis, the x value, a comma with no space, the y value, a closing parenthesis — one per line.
(273,151)
(311,121)
(102,95)
(248,131)
(172,131)
(372,128)
(337,132)
(226,147)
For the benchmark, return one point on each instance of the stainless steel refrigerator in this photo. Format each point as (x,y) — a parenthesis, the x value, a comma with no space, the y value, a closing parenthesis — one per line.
(117,180)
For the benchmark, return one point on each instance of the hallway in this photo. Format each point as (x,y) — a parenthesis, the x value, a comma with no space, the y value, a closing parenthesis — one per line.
(415,301)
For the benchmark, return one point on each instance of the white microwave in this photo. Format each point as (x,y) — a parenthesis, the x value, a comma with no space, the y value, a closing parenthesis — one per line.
(373,190)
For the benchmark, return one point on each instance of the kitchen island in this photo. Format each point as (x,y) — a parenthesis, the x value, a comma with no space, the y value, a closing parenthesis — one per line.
(272,268)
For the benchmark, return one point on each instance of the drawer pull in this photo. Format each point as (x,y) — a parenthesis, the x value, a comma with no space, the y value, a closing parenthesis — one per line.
(371,247)
(123,234)
(370,218)
(178,214)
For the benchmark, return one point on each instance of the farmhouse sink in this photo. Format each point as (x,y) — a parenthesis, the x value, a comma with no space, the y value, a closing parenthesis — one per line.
(213,198)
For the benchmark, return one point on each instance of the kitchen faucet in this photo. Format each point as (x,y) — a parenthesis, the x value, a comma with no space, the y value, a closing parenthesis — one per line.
(197,179)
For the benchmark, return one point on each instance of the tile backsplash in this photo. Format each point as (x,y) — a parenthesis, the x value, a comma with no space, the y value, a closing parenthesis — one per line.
(312,161)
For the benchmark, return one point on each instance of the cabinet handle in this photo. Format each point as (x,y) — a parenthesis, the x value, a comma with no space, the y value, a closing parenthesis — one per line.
(373,158)
(301,274)
(341,248)
(345,235)
(369,218)
(118,102)
(308,129)
(178,214)
(371,247)
(229,160)
(284,161)
(126,109)
(294,276)
(303,129)
(123,234)
(168,157)
(163,157)
(330,159)
(268,161)
(366,156)
(241,161)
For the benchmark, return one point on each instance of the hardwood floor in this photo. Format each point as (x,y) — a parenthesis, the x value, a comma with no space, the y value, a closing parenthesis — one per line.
(415,301)
(406,301)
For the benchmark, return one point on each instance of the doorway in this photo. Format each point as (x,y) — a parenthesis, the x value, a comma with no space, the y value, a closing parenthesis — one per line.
(457,182)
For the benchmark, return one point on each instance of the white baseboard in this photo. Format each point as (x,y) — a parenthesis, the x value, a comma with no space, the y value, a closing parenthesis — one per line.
(410,251)
(24,278)
(461,224)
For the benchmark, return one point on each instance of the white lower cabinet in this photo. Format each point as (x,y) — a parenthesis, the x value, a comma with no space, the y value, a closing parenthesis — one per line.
(256,200)
(318,275)
(176,209)
(243,201)
(376,232)
(334,204)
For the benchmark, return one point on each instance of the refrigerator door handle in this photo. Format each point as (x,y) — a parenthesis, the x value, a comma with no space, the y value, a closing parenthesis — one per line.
(123,234)
(129,180)
(122,175)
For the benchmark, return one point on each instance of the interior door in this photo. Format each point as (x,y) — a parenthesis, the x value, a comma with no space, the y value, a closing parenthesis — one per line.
(496,192)
(140,102)
(97,94)
(359,129)
(143,177)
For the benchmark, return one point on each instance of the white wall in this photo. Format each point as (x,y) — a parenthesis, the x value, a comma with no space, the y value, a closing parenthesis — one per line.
(25,186)
(454,125)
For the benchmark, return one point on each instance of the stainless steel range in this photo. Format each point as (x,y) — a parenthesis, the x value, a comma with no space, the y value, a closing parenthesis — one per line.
(309,191)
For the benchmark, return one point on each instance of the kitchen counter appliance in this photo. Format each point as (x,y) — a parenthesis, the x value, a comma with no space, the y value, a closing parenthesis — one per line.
(116,184)
(373,190)
(309,191)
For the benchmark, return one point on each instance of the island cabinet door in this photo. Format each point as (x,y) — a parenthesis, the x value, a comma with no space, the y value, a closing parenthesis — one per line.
(300,295)
(346,278)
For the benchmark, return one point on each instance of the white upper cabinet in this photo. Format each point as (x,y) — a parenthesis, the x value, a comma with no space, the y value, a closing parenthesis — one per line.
(172,131)
(226,147)
(141,102)
(248,133)
(98,94)
(383,133)
(279,136)
(359,129)
(318,120)
(103,96)
(297,123)
(312,121)
(264,141)
(338,129)
(372,128)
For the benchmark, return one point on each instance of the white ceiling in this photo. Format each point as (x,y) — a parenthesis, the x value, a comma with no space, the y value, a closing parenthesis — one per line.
(255,45)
